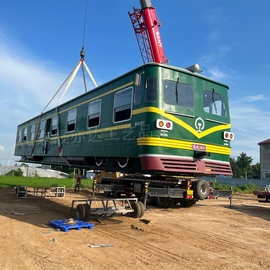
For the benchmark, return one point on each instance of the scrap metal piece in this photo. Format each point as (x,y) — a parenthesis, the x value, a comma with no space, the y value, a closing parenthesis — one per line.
(100,245)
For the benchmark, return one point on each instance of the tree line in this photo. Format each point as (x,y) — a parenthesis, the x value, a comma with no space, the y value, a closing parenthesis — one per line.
(242,167)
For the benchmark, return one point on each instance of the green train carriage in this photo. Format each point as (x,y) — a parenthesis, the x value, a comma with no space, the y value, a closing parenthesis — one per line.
(155,119)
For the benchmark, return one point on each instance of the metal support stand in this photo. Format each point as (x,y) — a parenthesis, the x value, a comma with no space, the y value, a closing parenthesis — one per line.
(230,198)
(39,192)
(107,207)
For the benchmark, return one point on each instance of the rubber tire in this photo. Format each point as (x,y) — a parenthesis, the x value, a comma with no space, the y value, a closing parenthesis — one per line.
(137,210)
(187,202)
(202,189)
(142,209)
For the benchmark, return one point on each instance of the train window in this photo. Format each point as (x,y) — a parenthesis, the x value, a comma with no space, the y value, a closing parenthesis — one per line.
(20,136)
(214,103)
(21,133)
(176,93)
(54,125)
(24,138)
(94,110)
(32,135)
(42,129)
(122,105)
(71,120)
(151,89)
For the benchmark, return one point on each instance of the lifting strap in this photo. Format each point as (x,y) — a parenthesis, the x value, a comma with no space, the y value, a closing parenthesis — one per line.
(66,82)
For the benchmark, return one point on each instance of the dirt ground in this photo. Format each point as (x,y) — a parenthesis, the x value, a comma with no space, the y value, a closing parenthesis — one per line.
(209,235)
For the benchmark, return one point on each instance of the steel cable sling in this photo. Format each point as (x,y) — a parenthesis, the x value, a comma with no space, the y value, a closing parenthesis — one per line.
(66,82)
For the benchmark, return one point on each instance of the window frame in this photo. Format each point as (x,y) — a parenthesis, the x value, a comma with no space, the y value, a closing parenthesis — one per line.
(147,88)
(32,137)
(24,134)
(139,89)
(207,91)
(179,88)
(131,104)
(39,131)
(70,131)
(19,136)
(57,125)
(100,108)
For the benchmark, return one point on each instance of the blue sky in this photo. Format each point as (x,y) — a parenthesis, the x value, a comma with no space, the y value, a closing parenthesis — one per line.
(40,43)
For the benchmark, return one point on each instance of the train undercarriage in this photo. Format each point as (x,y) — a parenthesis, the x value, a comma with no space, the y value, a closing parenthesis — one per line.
(135,193)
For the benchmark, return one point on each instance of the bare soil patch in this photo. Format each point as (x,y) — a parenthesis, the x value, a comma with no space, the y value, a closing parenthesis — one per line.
(209,235)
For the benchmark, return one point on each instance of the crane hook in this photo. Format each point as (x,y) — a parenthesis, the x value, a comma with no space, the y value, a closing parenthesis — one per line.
(82,54)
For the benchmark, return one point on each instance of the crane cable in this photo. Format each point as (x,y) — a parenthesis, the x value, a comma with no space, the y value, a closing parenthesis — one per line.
(85,22)
(83,41)
(81,63)
(69,79)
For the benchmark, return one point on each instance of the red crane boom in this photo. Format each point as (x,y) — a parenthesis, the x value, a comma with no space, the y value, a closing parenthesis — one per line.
(146,26)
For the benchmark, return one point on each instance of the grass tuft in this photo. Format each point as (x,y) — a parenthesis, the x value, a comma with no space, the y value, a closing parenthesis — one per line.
(247,189)
(12,181)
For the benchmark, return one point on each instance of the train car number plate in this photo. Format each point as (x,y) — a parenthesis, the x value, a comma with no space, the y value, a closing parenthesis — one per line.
(199,147)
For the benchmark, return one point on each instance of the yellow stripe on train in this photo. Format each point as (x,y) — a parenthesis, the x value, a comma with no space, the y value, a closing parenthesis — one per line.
(181,122)
(186,145)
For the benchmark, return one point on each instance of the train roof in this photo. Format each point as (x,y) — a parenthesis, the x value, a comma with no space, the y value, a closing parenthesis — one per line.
(125,74)
(184,70)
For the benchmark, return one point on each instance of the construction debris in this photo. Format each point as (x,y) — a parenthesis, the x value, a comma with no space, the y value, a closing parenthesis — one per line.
(18,214)
(99,245)
(136,228)
(53,240)
(145,221)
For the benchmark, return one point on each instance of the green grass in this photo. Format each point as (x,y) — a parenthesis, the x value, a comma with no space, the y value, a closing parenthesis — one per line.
(12,181)
(248,188)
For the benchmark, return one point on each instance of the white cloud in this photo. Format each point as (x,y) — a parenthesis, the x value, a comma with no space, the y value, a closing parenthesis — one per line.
(255,98)
(215,16)
(215,56)
(212,63)
(250,125)
(249,119)
(27,84)
(216,74)
(29,79)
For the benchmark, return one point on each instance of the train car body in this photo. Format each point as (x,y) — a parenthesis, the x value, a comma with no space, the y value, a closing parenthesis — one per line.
(155,119)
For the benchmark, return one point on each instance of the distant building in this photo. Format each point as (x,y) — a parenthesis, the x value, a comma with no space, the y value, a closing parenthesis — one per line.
(265,159)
